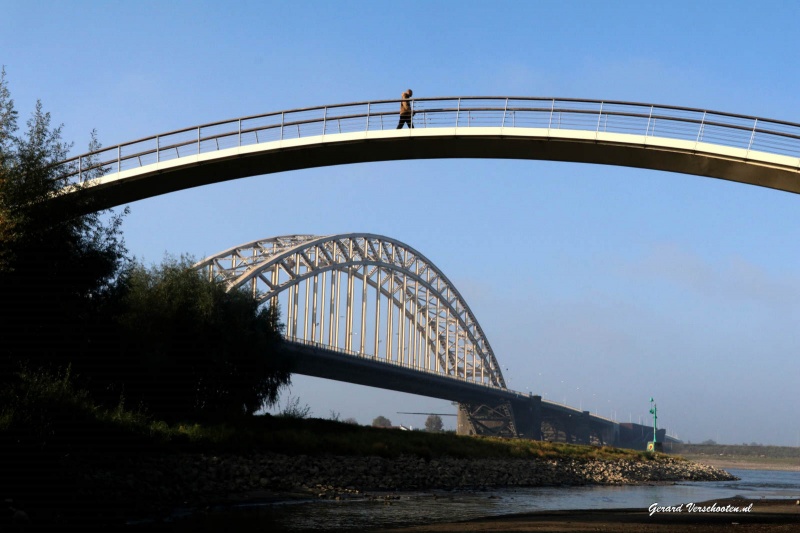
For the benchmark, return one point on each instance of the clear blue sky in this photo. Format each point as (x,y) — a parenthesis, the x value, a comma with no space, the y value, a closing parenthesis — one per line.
(600,286)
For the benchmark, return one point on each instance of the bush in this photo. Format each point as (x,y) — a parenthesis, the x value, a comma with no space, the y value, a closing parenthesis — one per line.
(189,349)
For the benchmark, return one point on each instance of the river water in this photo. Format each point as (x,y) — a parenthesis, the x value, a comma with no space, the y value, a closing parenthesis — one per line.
(407,509)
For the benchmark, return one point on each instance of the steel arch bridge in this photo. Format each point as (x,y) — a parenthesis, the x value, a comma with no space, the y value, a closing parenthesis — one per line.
(372,310)
(377,299)
(728,146)
(365,294)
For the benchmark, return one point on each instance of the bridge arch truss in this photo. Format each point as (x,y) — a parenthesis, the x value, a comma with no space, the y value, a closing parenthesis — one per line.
(364,294)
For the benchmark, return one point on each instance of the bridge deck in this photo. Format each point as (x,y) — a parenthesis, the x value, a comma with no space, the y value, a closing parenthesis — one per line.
(317,360)
(692,141)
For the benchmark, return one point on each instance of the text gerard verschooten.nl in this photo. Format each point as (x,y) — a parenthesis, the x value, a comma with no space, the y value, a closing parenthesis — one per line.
(694,508)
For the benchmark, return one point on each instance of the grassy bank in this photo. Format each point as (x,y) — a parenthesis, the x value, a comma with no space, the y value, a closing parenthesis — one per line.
(65,458)
(46,414)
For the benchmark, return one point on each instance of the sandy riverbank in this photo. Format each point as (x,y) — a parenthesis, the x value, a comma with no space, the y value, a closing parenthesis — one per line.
(772,516)
(746,463)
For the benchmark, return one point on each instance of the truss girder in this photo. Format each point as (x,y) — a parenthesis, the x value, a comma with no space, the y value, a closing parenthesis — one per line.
(490,419)
(404,311)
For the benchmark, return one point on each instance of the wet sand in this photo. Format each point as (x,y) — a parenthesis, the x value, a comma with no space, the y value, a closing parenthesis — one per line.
(765,516)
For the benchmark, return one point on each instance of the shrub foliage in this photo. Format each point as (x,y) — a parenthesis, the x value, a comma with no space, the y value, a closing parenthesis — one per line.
(162,338)
(189,348)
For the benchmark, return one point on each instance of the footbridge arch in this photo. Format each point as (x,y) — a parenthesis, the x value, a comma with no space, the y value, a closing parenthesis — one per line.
(739,148)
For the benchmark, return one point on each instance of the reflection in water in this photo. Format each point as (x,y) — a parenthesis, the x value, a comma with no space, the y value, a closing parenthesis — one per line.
(424,508)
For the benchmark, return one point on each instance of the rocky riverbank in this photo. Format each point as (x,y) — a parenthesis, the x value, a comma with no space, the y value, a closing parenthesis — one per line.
(147,485)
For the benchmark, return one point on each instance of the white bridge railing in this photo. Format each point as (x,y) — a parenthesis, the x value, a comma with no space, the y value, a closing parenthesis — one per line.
(725,129)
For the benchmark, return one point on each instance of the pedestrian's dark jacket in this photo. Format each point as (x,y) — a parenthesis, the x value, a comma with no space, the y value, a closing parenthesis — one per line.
(405,105)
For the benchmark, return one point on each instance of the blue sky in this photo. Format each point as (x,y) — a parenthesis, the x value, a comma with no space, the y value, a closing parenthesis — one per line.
(597,285)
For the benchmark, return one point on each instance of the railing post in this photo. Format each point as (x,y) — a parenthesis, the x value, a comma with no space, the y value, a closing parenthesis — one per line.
(599,118)
(158,150)
(552,109)
(198,139)
(324,119)
(119,158)
(702,127)
(282,117)
(753,135)
(240,132)
(647,129)
(368,110)
(458,110)
(505,110)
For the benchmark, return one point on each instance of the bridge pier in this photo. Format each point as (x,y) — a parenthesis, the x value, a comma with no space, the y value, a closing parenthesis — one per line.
(488,418)
(582,431)
(528,417)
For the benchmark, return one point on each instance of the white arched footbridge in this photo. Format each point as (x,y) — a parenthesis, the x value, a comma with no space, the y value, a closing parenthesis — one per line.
(740,148)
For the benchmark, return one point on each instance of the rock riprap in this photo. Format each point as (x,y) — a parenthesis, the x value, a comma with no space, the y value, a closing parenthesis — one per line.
(199,478)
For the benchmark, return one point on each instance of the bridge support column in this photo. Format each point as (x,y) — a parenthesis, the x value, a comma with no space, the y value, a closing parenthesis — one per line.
(610,435)
(528,417)
(583,428)
(494,419)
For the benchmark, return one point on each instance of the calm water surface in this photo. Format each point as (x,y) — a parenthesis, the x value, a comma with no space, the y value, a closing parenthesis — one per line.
(431,507)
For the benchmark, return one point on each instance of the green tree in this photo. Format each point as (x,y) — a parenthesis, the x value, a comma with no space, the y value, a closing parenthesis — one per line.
(381,422)
(55,270)
(190,349)
(70,297)
(434,424)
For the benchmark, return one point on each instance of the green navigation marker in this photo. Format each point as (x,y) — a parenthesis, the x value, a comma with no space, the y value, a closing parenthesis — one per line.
(653,446)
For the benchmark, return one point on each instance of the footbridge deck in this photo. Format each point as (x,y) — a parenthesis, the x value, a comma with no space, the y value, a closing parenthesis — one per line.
(740,148)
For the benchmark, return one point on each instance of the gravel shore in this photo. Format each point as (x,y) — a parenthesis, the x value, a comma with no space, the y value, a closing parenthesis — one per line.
(110,490)
(198,479)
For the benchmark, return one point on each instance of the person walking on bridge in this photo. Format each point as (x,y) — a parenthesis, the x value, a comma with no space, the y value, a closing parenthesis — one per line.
(405,110)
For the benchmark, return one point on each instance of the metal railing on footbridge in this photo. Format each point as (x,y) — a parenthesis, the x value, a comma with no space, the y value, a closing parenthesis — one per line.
(553,114)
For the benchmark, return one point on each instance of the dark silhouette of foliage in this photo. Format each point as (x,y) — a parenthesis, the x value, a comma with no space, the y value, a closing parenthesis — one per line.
(160,338)
(191,349)
(55,270)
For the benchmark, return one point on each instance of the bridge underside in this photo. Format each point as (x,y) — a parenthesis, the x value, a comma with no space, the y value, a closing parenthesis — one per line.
(482,410)
(581,147)
(323,363)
